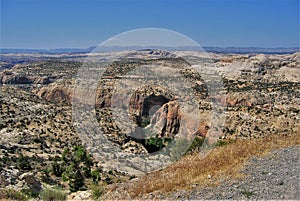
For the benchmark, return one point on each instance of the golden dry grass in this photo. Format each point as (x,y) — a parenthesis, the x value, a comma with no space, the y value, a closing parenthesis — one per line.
(222,163)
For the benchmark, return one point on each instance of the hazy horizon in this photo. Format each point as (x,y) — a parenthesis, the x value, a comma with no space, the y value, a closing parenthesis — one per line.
(93,46)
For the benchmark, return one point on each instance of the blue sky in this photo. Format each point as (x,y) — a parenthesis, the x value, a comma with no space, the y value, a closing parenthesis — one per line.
(84,23)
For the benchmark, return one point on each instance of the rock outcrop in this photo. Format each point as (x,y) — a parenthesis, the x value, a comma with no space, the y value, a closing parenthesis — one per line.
(56,92)
(10,77)
(166,121)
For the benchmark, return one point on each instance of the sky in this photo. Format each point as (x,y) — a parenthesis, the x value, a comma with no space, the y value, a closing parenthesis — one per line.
(46,24)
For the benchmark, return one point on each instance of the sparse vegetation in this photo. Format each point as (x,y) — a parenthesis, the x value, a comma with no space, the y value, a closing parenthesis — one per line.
(50,194)
(156,143)
(196,144)
(37,132)
(224,142)
(96,176)
(97,192)
(23,163)
(30,193)
(74,177)
(223,160)
(74,166)
(247,193)
(11,194)
(145,121)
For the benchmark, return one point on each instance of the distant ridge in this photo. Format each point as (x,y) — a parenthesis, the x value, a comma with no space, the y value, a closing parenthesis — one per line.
(245,50)
(48,51)
(237,50)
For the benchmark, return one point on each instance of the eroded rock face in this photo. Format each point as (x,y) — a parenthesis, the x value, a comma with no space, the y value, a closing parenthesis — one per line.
(41,80)
(11,77)
(16,79)
(166,121)
(56,92)
(146,101)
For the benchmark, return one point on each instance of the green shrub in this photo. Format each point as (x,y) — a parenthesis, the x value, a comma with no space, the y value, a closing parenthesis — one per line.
(156,143)
(73,176)
(23,163)
(196,144)
(96,176)
(66,155)
(74,166)
(30,193)
(79,154)
(97,192)
(145,121)
(11,194)
(224,142)
(51,194)
(58,168)
(87,165)
(247,193)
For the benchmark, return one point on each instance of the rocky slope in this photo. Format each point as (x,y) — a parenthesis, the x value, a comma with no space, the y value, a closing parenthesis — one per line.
(271,177)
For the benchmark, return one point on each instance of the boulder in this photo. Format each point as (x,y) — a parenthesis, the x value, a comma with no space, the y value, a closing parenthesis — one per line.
(29,181)
(134,147)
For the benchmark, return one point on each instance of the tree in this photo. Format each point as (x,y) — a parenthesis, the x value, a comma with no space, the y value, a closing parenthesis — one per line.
(74,167)
(74,177)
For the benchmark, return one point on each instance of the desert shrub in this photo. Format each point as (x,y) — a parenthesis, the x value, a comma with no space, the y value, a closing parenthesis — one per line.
(96,176)
(50,194)
(74,177)
(11,194)
(30,193)
(79,154)
(145,121)
(247,193)
(97,192)
(23,163)
(220,143)
(58,168)
(5,160)
(153,144)
(108,180)
(196,144)
(74,166)
(66,155)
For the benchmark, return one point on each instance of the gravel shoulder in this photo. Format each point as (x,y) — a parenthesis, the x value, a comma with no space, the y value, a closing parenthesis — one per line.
(274,176)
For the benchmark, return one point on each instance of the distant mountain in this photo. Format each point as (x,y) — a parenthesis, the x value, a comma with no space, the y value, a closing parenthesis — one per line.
(245,50)
(48,51)
(238,50)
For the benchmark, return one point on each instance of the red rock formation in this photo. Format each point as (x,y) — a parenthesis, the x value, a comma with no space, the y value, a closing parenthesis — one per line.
(10,77)
(166,121)
(56,93)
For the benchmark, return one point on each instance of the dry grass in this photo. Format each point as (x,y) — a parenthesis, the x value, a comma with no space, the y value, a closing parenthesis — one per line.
(222,163)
